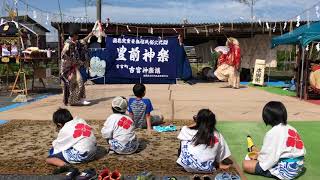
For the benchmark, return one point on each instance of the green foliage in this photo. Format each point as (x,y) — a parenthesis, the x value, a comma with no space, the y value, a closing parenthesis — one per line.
(14,68)
(214,58)
(283,57)
(315,55)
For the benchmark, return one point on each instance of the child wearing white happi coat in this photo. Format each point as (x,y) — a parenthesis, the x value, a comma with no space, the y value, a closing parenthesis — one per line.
(75,142)
(119,129)
(202,146)
(282,153)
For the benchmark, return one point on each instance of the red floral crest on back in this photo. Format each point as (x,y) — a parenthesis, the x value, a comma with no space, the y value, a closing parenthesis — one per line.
(125,123)
(215,140)
(82,130)
(294,140)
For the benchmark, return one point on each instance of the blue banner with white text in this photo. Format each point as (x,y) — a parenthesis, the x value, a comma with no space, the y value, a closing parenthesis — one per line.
(131,59)
(143,57)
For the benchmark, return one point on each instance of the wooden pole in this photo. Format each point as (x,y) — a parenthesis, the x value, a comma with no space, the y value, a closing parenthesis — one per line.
(172,111)
(59,51)
(251,18)
(302,70)
(98,10)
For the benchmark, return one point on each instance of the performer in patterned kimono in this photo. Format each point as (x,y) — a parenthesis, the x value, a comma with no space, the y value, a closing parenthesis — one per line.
(234,57)
(229,65)
(73,56)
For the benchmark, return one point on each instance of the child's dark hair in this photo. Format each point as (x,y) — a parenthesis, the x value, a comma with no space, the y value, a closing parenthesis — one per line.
(206,125)
(139,90)
(274,113)
(62,116)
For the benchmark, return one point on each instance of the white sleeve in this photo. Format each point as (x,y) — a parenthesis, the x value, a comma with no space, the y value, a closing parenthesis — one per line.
(186,134)
(64,140)
(65,49)
(223,150)
(268,155)
(181,134)
(108,127)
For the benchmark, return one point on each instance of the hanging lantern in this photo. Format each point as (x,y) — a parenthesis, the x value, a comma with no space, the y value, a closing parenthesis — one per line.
(107,22)
(34,14)
(274,27)
(267,25)
(151,30)
(128,28)
(285,26)
(298,21)
(196,30)
(318,47)
(180,40)
(175,30)
(47,20)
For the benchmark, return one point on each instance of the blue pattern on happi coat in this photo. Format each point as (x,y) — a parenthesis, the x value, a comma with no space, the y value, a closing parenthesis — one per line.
(188,160)
(74,156)
(288,169)
(130,147)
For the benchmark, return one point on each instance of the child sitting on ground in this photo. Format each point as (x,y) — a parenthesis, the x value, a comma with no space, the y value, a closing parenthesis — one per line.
(75,143)
(282,152)
(119,129)
(203,148)
(140,109)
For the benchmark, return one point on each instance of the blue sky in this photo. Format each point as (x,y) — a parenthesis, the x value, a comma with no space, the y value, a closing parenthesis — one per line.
(168,11)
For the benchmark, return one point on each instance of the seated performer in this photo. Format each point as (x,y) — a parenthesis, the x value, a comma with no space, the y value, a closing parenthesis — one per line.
(229,64)
(219,56)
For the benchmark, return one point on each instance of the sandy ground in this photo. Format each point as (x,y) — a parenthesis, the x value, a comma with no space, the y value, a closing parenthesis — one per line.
(25,144)
(25,140)
(179,102)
